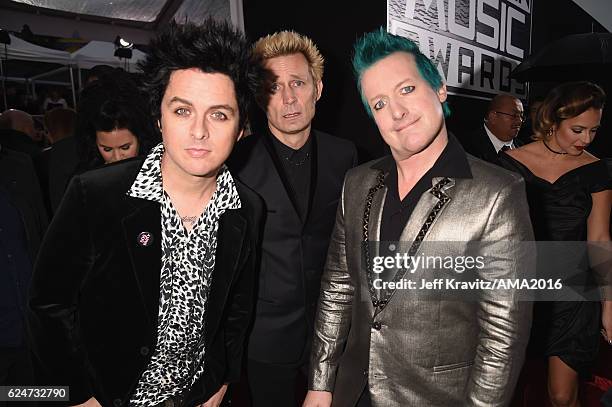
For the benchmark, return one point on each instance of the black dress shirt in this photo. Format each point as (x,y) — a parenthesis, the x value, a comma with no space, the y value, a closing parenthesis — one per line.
(452,163)
(297,167)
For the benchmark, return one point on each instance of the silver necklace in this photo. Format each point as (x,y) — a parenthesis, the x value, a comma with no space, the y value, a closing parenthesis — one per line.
(189,219)
(298,163)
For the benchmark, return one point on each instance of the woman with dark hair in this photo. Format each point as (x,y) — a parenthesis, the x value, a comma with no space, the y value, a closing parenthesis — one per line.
(113,123)
(570,197)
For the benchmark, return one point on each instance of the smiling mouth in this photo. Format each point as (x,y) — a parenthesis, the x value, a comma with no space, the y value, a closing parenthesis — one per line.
(407,125)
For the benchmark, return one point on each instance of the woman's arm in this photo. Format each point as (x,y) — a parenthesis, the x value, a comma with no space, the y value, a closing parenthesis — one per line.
(598,236)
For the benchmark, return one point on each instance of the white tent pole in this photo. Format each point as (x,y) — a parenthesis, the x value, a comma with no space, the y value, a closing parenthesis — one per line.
(72,86)
(53,72)
(237,14)
(25,80)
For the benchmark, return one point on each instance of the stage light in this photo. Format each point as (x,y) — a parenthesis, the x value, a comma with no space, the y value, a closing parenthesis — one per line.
(122,43)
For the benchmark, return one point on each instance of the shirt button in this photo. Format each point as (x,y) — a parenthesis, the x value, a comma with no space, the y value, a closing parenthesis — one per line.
(117,402)
(365,372)
(144,351)
(377,325)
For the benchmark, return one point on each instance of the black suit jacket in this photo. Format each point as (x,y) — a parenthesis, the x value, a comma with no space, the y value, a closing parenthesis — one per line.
(95,291)
(479,145)
(18,141)
(293,250)
(55,166)
(18,181)
(18,178)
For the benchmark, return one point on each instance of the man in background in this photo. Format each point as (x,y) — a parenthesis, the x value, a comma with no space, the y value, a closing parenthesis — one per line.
(298,171)
(499,131)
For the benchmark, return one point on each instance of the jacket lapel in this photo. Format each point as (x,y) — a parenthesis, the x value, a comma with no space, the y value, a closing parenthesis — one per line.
(372,216)
(230,246)
(278,167)
(431,204)
(142,233)
(314,191)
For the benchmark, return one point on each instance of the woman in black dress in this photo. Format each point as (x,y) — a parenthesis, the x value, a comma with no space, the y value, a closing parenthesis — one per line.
(570,198)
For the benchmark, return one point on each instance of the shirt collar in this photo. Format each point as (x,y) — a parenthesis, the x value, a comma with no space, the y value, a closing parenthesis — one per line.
(283,150)
(148,182)
(452,163)
(497,143)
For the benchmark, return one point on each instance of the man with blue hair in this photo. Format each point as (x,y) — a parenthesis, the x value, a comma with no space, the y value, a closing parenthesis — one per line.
(377,343)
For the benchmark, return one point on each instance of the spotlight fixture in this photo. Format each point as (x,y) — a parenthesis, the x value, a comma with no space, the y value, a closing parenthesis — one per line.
(122,43)
(125,44)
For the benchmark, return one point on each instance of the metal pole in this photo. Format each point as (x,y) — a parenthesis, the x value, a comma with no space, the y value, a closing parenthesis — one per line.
(3,87)
(50,73)
(80,79)
(3,78)
(72,86)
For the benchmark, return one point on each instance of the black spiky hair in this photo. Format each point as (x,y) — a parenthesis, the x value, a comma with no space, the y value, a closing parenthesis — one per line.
(212,47)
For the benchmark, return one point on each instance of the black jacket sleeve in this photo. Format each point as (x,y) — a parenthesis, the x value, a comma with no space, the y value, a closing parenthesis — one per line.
(65,258)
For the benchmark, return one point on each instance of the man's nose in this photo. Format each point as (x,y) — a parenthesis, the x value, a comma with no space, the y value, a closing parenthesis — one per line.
(288,95)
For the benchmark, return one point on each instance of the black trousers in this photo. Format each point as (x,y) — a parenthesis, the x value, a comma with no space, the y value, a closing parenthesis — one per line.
(276,385)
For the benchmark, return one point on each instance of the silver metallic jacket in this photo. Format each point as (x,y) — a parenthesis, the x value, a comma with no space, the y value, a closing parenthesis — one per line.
(412,352)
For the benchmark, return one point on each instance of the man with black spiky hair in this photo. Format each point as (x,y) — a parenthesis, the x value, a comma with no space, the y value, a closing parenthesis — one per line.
(142,292)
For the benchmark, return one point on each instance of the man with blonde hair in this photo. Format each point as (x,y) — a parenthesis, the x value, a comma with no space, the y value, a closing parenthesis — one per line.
(298,171)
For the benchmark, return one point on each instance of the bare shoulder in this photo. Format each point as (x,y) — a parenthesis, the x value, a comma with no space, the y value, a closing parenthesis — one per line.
(526,154)
(588,158)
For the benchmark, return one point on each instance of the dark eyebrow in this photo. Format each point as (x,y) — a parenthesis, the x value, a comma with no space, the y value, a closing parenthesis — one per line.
(180,100)
(224,107)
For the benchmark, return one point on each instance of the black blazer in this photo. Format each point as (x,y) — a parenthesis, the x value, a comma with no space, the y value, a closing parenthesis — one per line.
(95,291)
(55,166)
(293,250)
(479,145)
(18,178)
(18,181)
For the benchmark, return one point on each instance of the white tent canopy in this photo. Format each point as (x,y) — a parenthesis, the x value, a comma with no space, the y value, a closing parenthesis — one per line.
(22,50)
(25,51)
(103,53)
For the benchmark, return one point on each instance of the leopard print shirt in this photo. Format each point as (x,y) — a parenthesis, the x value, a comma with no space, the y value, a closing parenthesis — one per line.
(188,259)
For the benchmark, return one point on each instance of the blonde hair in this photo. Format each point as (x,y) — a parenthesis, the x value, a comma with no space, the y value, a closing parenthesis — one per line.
(564,102)
(287,43)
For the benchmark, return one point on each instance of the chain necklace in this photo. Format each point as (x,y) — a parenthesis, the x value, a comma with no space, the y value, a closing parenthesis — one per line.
(189,219)
(185,219)
(298,163)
